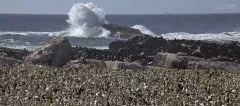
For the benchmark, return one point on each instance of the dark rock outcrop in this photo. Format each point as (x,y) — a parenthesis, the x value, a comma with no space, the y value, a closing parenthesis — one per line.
(121,31)
(139,44)
(152,45)
(107,55)
(54,53)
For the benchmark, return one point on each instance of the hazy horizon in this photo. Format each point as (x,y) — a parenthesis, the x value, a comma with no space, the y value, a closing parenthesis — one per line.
(116,14)
(123,7)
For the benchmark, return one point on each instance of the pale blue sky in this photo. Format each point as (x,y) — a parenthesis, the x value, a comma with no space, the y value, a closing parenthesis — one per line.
(123,6)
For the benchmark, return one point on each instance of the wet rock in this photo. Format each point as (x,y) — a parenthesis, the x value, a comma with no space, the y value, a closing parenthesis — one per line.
(54,53)
(170,60)
(121,31)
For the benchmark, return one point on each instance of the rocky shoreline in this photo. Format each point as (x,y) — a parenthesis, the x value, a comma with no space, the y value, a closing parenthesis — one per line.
(137,51)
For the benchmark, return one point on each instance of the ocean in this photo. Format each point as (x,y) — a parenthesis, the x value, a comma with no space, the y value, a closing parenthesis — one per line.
(32,31)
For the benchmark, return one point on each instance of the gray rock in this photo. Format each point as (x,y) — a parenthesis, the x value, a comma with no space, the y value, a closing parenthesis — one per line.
(170,60)
(54,53)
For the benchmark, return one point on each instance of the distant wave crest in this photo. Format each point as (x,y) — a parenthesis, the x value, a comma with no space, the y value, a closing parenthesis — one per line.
(30,33)
(219,37)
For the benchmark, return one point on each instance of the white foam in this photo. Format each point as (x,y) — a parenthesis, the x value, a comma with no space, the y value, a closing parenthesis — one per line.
(220,37)
(15,46)
(29,33)
(8,40)
(99,47)
(144,30)
(85,21)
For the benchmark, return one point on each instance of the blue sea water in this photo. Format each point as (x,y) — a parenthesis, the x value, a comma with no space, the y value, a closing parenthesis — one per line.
(32,31)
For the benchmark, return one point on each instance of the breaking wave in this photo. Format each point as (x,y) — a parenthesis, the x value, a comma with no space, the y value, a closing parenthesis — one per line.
(85,20)
(144,30)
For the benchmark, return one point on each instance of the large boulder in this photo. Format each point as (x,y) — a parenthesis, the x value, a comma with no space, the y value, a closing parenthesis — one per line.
(121,31)
(170,60)
(54,53)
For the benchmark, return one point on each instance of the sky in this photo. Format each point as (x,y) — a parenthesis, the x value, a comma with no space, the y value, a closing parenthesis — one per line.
(123,6)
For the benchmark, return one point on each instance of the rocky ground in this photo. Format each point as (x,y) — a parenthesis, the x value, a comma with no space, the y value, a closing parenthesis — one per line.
(92,85)
(142,70)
